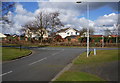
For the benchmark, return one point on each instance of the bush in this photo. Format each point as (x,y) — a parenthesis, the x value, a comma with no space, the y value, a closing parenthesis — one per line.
(69,39)
(58,38)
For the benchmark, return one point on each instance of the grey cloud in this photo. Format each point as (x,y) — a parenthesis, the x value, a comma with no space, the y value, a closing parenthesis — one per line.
(69,12)
(79,7)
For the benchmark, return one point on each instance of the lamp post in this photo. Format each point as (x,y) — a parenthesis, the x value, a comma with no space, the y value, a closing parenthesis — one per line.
(116,34)
(102,41)
(88,30)
(87,27)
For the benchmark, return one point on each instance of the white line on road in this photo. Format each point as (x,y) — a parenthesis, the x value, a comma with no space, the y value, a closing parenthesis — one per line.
(38,61)
(43,48)
(58,52)
(55,53)
(6,73)
(45,58)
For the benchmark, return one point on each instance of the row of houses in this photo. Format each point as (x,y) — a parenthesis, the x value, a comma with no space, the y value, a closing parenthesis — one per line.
(67,33)
(63,33)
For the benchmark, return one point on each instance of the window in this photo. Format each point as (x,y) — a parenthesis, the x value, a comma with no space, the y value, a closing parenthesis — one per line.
(76,33)
(67,33)
(71,33)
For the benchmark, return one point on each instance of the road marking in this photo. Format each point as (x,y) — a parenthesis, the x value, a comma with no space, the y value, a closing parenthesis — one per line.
(45,57)
(55,53)
(6,73)
(58,52)
(48,49)
(38,61)
(43,48)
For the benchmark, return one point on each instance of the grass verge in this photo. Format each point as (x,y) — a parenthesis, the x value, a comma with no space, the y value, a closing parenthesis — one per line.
(102,56)
(78,76)
(25,45)
(74,75)
(13,53)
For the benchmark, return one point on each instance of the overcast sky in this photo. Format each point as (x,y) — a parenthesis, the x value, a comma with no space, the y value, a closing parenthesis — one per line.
(71,14)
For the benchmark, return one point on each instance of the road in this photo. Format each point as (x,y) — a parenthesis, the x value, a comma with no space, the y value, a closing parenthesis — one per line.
(43,65)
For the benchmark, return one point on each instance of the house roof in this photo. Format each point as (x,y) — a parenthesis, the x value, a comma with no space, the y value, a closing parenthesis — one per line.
(104,36)
(63,30)
(114,35)
(2,35)
(72,36)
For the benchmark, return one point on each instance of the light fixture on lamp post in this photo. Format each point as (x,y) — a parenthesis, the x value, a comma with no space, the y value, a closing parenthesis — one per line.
(87,27)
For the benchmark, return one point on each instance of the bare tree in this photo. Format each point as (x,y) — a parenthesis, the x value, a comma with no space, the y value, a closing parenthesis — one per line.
(116,30)
(43,21)
(38,26)
(41,24)
(6,7)
(47,20)
(91,31)
(54,23)
(107,32)
(28,29)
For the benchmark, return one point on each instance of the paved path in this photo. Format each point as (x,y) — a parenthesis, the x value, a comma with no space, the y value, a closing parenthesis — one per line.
(43,65)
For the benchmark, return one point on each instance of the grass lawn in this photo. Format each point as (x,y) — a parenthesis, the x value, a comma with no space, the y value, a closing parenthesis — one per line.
(78,76)
(102,56)
(13,53)
(25,45)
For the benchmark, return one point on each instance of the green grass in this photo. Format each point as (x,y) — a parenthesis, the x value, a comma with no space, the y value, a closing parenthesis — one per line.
(13,53)
(10,44)
(102,56)
(25,45)
(78,76)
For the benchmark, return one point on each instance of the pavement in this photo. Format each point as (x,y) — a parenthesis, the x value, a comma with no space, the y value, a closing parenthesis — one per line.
(43,65)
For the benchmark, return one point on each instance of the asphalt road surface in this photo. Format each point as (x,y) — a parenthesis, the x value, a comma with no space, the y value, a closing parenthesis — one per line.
(43,65)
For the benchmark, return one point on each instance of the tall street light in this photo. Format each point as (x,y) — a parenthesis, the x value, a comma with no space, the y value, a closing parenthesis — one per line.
(116,31)
(87,27)
(102,41)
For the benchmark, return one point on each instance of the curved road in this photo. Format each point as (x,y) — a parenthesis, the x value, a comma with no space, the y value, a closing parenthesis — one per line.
(43,65)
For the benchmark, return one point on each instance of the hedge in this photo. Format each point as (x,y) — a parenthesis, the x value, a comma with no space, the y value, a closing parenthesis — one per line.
(97,39)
